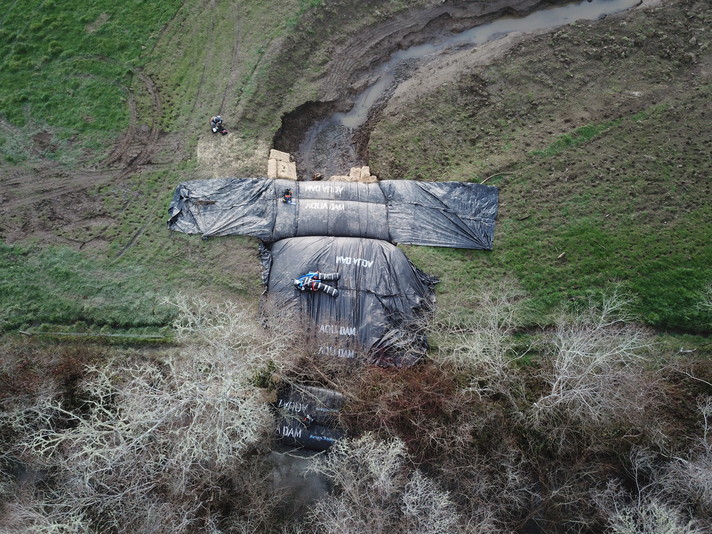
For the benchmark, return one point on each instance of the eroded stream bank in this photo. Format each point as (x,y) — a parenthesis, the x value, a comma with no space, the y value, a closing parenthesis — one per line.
(327,138)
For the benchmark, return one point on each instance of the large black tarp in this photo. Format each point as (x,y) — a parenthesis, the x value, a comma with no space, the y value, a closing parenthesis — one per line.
(228,206)
(446,214)
(382,303)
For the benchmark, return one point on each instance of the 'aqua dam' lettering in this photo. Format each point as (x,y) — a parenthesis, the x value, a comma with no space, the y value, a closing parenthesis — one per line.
(331,189)
(293,432)
(333,351)
(336,329)
(346,260)
(327,206)
(293,406)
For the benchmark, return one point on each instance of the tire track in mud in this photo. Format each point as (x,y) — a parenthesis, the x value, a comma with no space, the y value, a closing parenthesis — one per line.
(200,93)
(206,65)
(127,138)
(150,146)
(48,180)
(46,184)
(235,61)
(358,55)
(64,197)
(69,196)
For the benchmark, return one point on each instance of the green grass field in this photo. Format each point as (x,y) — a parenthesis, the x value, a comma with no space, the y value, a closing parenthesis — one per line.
(620,199)
(67,66)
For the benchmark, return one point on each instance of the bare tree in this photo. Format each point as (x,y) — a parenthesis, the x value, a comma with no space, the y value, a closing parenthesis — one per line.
(494,486)
(426,508)
(687,482)
(475,335)
(651,517)
(227,328)
(593,369)
(22,516)
(671,494)
(375,491)
(151,441)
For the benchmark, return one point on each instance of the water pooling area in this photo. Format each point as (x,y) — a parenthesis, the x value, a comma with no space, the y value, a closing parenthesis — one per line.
(334,142)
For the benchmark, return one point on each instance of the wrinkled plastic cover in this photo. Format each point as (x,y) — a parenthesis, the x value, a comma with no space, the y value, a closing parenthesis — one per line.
(441,214)
(309,417)
(382,304)
(445,214)
(228,206)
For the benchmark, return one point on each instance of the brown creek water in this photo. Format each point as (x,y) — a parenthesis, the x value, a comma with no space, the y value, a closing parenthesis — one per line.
(331,143)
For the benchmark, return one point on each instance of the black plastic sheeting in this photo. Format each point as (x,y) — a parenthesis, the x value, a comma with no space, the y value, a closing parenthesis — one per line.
(382,304)
(444,214)
(309,417)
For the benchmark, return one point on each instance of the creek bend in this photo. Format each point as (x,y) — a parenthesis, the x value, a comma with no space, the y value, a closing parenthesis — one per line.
(327,141)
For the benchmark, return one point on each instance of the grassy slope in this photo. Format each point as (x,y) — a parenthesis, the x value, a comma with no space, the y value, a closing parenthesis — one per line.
(138,262)
(602,133)
(202,57)
(66,66)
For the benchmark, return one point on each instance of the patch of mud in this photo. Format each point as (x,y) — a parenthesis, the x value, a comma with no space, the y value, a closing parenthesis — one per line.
(331,136)
(43,141)
(300,120)
(56,219)
(292,479)
(442,71)
(508,99)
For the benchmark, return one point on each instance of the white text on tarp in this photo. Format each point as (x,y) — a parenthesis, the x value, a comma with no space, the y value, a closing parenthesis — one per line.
(336,329)
(325,205)
(334,351)
(360,262)
(331,189)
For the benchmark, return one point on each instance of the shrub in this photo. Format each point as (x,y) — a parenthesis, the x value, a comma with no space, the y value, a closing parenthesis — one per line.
(651,517)
(151,444)
(475,336)
(377,491)
(593,371)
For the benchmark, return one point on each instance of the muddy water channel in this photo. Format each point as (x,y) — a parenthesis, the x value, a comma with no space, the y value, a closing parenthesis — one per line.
(332,142)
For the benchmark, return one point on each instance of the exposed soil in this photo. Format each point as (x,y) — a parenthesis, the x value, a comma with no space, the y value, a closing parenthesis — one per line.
(351,70)
(43,195)
(521,92)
